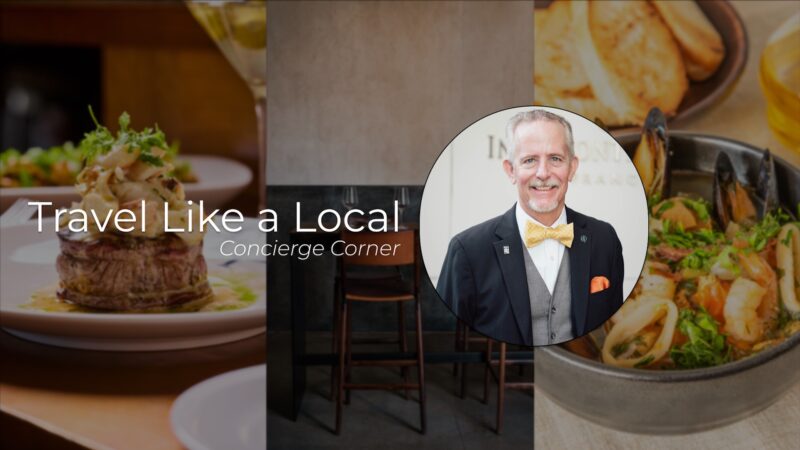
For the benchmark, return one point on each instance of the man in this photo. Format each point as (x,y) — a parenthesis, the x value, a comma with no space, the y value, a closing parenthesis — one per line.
(541,273)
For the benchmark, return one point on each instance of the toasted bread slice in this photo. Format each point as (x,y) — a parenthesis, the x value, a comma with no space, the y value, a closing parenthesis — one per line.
(556,65)
(583,103)
(701,45)
(630,57)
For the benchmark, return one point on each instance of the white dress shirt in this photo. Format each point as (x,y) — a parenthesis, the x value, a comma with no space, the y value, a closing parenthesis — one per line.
(547,254)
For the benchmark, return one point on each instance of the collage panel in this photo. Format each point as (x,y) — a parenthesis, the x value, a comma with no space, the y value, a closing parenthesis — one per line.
(702,96)
(250,224)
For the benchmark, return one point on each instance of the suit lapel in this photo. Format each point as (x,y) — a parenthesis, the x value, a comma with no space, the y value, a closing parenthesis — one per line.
(508,251)
(579,256)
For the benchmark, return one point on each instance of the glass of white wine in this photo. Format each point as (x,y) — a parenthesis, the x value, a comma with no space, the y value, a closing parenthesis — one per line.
(239,28)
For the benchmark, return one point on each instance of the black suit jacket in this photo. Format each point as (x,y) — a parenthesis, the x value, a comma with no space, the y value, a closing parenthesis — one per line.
(487,288)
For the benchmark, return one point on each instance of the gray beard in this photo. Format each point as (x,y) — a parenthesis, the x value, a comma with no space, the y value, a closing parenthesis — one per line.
(543,209)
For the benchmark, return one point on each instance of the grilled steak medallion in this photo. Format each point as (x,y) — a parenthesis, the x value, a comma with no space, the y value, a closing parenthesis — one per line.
(123,273)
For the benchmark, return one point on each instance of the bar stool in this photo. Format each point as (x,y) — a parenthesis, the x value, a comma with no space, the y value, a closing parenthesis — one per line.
(401,341)
(393,289)
(463,339)
(500,377)
(462,344)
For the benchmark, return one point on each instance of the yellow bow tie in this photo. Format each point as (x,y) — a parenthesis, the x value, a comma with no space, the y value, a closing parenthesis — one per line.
(534,234)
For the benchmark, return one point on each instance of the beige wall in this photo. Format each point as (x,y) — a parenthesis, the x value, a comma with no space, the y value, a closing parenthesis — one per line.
(371,92)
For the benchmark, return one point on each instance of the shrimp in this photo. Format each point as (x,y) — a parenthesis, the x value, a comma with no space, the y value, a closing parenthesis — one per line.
(742,320)
(710,295)
(757,269)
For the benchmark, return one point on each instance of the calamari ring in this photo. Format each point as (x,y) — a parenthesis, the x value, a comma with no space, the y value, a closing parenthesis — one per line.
(642,312)
(788,256)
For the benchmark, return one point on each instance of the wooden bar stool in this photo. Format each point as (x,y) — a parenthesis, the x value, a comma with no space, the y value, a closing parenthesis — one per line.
(500,377)
(462,344)
(463,339)
(392,289)
(401,341)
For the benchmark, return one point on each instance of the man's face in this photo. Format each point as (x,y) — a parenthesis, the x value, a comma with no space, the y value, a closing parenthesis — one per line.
(542,169)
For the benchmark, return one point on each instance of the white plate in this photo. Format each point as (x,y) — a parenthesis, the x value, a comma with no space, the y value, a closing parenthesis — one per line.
(228,411)
(219,180)
(27,263)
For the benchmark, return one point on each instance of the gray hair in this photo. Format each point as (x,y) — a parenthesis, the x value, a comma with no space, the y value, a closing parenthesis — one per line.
(536,115)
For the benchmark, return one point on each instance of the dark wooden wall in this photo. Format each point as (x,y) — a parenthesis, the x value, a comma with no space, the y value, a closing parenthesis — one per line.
(157,64)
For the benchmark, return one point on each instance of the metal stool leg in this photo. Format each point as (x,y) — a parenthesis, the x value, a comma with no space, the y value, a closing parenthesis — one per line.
(487,371)
(337,319)
(463,367)
(349,344)
(457,347)
(341,368)
(501,388)
(403,340)
(421,368)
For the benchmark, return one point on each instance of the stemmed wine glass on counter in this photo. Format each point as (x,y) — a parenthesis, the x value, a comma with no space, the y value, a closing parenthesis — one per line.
(402,199)
(349,197)
(239,28)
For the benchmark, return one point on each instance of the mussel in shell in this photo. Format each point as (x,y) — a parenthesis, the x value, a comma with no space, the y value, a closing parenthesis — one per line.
(652,157)
(744,203)
(732,201)
(766,185)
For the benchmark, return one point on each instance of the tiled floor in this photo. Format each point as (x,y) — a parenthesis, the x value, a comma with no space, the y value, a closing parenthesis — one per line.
(385,420)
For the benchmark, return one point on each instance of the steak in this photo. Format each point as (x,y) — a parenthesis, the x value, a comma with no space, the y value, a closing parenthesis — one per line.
(124,273)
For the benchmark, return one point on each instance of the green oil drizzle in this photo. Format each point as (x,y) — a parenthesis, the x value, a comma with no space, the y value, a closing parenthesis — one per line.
(230,292)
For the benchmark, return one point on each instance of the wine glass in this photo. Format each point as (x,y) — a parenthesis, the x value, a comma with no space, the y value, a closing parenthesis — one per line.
(349,197)
(779,75)
(239,28)
(401,196)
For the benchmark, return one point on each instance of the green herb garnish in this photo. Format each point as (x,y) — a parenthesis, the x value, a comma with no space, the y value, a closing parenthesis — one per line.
(759,234)
(664,208)
(25,178)
(706,346)
(728,259)
(788,238)
(101,141)
(700,207)
(675,236)
(620,348)
(699,259)
(783,318)
(644,362)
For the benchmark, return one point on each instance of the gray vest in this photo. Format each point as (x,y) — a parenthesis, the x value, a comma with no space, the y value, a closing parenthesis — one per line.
(550,313)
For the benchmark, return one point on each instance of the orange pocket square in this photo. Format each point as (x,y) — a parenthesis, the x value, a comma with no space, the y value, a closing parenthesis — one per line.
(598,284)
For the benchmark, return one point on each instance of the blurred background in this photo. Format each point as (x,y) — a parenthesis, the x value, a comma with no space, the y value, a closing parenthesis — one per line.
(151,59)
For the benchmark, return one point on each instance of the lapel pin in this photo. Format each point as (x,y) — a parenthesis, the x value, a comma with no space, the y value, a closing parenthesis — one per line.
(506,250)
(584,238)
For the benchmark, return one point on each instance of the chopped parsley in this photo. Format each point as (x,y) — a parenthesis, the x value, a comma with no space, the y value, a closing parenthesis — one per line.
(101,141)
(644,362)
(622,347)
(783,318)
(700,208)
(759,234)
(705,347)
(655,198)
(663,208)
(699,259)
(675,236)
(788,239)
